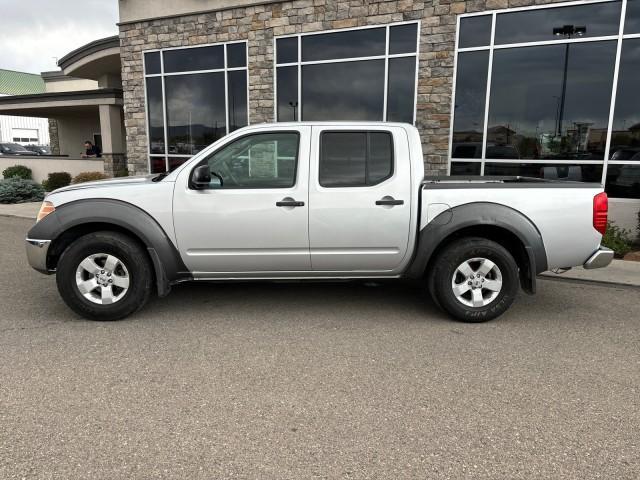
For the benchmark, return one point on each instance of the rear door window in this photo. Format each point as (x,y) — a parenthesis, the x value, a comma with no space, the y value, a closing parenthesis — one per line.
(355,159)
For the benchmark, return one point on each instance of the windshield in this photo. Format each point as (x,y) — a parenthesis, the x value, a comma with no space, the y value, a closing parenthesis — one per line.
(13,147)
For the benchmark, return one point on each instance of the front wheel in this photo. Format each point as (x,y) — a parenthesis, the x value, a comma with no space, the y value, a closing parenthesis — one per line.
(104,276)
(474,279)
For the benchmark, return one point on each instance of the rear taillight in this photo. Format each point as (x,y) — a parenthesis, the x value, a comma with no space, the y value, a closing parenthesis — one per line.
(600,211)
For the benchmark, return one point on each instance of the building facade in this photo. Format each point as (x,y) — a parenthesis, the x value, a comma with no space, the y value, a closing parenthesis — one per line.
(22,130)
(495,87)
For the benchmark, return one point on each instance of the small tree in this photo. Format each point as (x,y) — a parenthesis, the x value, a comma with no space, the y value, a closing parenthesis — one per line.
(56,180)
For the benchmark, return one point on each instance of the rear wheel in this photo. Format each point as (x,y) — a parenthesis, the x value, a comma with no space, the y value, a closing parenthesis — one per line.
(104,276)
(474,279)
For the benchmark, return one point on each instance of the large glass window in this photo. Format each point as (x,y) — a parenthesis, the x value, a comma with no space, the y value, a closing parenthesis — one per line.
(265,160)
(552,101)
(548,75)
(343,75)
(193,99)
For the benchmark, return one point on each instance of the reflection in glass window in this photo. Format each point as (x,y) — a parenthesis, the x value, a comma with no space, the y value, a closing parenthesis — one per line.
(538,112)
(632,22)
(287,50)
(625,132)
(157,165)
(287,94)
(237,103)
(355,159)
(573,173)
(365,42)
(623,181)
(154,111)
(175,162)
(471,86)
(403,38)
(195,111)
(151,63)
(343,91)
(257,161)
(199,107)
(236,55)
(192,59)
(599,19)
(465,168)
(400,95)
(475,31)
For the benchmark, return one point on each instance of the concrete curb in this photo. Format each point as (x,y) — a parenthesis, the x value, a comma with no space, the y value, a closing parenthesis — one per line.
(620,272)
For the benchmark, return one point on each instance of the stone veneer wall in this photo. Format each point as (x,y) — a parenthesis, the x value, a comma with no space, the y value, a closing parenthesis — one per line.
(259,24)
(54,139)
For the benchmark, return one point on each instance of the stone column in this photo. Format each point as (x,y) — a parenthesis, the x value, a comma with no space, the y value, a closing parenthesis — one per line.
(113,147)
(54,139)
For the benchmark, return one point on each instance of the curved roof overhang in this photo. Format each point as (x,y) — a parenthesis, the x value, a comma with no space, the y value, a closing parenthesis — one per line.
(93,60)
(59,103)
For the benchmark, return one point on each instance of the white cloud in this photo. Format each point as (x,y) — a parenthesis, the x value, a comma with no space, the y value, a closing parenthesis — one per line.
(35,32)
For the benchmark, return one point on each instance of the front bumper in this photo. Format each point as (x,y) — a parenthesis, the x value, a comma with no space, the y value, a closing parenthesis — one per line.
(600,259)
(37,254)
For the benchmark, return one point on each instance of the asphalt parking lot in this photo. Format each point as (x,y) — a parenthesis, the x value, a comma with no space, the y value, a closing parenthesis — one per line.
(316,381)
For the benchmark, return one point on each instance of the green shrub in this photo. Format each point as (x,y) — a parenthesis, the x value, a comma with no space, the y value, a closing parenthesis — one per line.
(617,239)
(19,190)
(19,171)
(56,180)
(88,177)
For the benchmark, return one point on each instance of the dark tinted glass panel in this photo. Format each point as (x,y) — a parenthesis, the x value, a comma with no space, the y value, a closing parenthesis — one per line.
(343,91)
(402,80)
(195,111)
(258,161)
(236,55)
(623,181)
(599,19)
(190,59)
(625,134)
(151,63)
(475,31)
(380,161)
(157,164)
(343,159)
(154,109)
(465,168)
(632,22)
(574,173)
(287,50)
(403,38)
(355,43)
(175,162)
(287,94)
(537,112)
(237,100)
(468,120)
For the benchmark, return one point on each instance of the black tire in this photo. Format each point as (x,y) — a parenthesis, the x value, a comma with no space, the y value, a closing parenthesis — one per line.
(463,250)
(131,254)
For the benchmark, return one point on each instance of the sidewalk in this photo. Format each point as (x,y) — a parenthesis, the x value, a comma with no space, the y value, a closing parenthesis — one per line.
(623,272)
(619,272)
(22,210)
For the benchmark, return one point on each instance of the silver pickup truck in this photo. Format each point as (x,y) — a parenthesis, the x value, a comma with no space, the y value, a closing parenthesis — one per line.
(305,201)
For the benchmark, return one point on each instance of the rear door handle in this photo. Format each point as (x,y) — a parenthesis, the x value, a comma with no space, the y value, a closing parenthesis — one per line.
(289,202)
(389,201)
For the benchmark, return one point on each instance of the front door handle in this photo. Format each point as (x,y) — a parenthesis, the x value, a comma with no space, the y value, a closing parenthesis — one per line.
(289,202)
(389,201)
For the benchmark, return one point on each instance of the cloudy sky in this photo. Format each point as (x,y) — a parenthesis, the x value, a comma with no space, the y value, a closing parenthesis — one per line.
(33,32)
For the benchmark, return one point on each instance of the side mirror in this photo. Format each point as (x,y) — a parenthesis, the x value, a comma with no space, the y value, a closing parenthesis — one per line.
(201,177)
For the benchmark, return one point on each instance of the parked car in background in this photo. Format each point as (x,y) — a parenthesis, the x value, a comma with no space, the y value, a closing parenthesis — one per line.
(39,149)
(13,149)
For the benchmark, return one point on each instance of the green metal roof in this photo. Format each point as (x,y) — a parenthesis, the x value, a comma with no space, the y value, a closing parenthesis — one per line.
(20,83)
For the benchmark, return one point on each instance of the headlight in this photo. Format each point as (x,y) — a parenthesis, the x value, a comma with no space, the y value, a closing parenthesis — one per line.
(45,209)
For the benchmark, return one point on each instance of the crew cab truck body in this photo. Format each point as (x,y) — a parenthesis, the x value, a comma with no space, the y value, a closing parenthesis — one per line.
(309,201)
